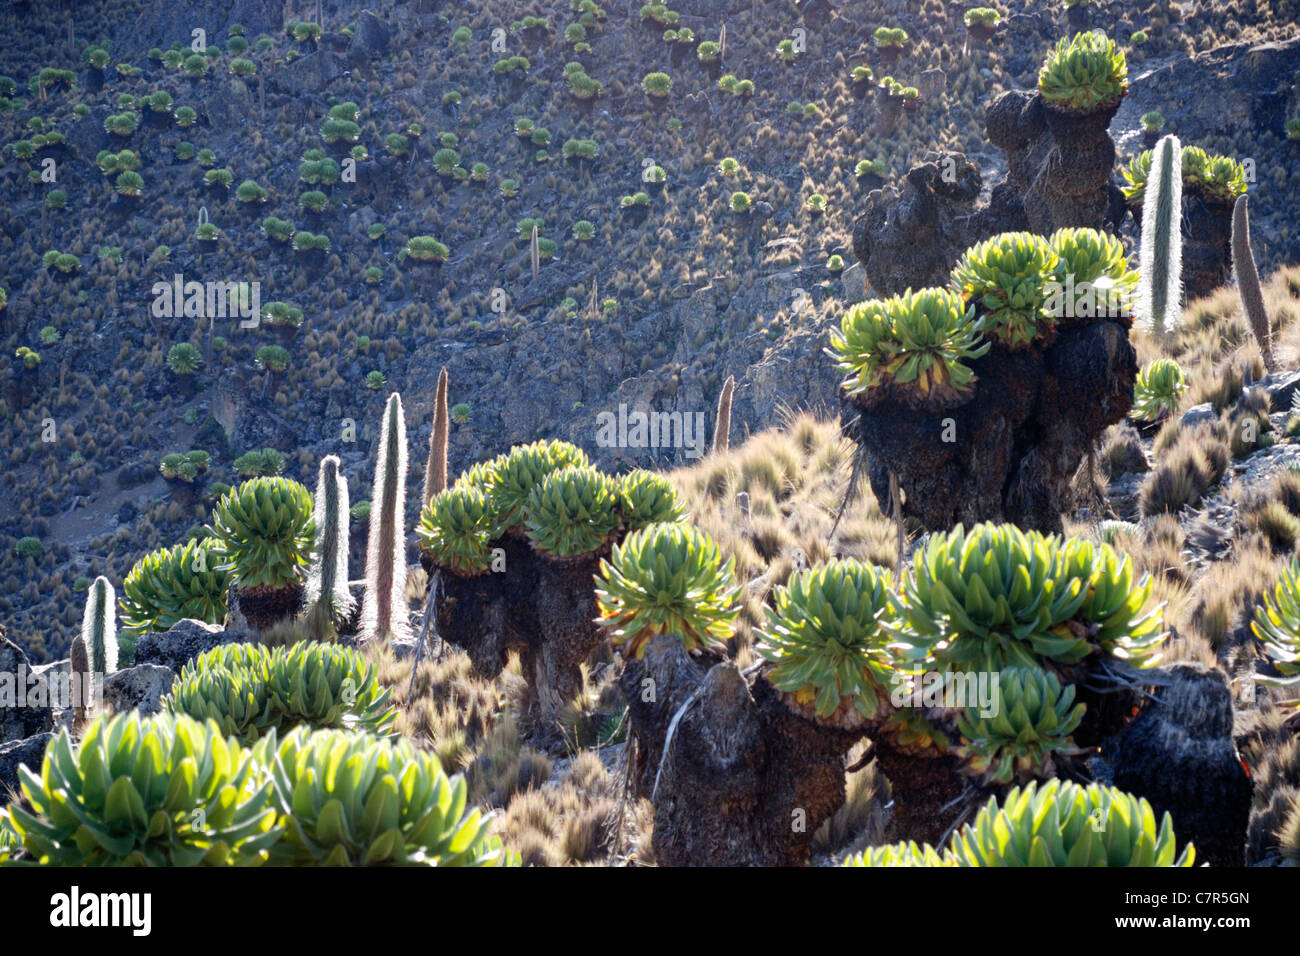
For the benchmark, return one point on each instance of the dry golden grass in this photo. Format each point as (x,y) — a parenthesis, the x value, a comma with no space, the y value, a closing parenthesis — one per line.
(1183,474)
(796,477)
(1214,346)
(474,727)
(1121,452)
(572,822)
(1269,747)
(1223,597)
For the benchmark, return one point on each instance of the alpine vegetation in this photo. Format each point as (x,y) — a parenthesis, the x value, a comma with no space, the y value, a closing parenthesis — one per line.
(1248,290)
(435,470)
(328,579)
(1161,257)
(99,628)
(384,609)
(1002,566)
(722,426)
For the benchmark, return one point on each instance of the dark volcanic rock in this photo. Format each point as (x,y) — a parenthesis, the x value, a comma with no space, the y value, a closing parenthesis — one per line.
(1179,754)
(373,35)
(186,640)
(139,688)
(310,73)
(227,103)
(22,713)
(1281,388)
(28,752)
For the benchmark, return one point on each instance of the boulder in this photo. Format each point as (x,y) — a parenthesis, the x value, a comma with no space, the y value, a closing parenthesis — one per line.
(932,83)
(309,74)
(227,103)
(373,35)
(139,688)
(24,695)
(28,752)
(1281,388)
(186,640)
(854,279)
(1201,414)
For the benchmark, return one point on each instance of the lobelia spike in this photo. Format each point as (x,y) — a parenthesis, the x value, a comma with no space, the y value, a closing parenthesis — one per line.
(1160,285)
(435,469)
(384,613)
(98,637)
(99,627)
(722,425)
(1248,290)
(328,580)
(78,671)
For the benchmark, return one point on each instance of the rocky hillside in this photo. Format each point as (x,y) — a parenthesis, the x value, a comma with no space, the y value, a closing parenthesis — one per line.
(309,163)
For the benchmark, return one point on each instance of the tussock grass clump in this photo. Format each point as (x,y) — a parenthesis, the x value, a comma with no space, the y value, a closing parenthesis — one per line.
(1122,452)
(1249,428)
(447,709)
(1184,475)
(1222,600)
(574,823)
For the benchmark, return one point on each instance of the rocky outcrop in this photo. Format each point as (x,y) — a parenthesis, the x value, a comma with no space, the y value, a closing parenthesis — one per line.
(708,333)
(1236,92)
(1281,387)
(226,102)
(186,640)
(372,36)
(1179,754)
